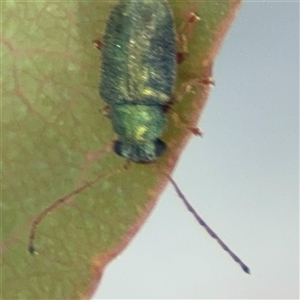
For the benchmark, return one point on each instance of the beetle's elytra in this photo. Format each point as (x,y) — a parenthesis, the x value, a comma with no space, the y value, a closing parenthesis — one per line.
(138,75)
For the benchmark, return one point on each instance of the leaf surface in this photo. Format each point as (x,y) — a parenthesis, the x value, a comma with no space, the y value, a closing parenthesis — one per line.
(54,139)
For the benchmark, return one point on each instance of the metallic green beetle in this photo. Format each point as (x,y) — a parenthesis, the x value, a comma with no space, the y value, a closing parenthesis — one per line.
(138,75)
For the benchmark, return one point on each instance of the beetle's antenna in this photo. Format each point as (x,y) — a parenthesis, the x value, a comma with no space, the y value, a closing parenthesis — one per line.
(207,228)
(63,199)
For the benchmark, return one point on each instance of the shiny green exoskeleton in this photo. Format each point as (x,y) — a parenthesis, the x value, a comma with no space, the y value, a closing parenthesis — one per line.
(138,75)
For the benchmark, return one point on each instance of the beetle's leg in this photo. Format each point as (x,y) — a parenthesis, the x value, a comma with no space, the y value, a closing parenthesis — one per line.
(196,131)
(195,85)
(105,111)
(98,44)
(179,123)
(184,32)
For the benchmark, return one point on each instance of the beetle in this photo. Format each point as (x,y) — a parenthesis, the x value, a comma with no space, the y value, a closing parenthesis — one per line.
(138,75)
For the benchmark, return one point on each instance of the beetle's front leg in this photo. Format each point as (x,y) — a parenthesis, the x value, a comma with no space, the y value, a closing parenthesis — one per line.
(181,124)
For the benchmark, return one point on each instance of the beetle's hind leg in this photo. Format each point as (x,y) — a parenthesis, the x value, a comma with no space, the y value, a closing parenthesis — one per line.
(184,32)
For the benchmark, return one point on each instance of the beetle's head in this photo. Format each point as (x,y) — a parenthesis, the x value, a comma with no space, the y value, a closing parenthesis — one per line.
(146,152)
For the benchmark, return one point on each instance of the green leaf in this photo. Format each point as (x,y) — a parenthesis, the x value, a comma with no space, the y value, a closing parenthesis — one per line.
(54,139)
